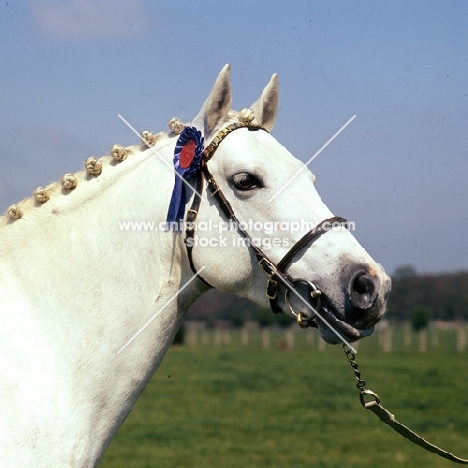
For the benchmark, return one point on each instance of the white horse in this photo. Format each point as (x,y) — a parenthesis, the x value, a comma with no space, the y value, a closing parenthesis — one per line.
(89,308)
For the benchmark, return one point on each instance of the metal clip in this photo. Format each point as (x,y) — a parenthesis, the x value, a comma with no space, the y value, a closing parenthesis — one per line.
(367,404)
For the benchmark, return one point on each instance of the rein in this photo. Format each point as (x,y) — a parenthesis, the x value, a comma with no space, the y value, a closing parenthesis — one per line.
(277,275)
(388,418)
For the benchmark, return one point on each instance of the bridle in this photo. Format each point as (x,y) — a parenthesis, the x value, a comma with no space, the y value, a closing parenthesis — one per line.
(277,276)
(276,272)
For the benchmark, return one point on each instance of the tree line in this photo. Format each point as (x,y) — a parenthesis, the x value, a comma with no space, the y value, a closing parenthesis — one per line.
(445,296)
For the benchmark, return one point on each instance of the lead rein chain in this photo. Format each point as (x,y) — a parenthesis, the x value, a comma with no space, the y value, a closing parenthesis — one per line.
(388,418)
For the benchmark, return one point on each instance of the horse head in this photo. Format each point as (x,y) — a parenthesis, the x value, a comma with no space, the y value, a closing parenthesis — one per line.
(274,203)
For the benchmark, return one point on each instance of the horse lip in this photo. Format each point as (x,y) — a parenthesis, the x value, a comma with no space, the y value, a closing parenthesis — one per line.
(346,330)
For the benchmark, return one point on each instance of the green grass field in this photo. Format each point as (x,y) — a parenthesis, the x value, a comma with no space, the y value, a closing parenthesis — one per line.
(245,407)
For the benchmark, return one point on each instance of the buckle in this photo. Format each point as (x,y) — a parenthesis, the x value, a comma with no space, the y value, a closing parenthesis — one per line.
(272,289)
(191,216)
(268,267)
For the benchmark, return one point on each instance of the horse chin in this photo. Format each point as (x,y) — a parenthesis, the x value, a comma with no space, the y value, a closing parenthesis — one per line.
(346,330)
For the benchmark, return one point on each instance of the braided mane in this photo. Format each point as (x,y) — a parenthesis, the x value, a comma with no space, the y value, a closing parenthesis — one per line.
(93,169)
(95,166)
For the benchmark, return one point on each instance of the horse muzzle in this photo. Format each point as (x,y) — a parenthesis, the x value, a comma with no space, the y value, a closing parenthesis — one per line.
(350,314)
(360,306)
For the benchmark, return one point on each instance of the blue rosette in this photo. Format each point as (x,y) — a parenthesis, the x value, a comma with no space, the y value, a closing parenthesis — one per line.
(187,162)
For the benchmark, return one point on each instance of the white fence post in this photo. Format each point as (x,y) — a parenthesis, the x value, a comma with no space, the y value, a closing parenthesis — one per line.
(289,335)
(461,337)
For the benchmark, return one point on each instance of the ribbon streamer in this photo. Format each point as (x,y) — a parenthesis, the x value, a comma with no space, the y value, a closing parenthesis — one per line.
(187,162)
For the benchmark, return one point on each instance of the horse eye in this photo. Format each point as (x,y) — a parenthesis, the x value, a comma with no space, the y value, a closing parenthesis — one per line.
(245,181)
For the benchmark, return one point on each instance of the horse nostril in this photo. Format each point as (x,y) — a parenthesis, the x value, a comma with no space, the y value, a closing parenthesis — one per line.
(362,290)
(361,285)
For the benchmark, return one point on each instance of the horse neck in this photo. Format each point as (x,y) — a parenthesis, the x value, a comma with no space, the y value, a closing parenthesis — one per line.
(80,288)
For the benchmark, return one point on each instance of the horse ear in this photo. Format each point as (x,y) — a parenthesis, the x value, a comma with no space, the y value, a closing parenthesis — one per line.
(217,104)
(266,107)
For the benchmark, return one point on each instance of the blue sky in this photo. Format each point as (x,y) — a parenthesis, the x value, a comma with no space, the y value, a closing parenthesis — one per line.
(399,170)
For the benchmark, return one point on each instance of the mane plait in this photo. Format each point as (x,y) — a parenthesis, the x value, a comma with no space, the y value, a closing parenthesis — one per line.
(93,168)
(68,182)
